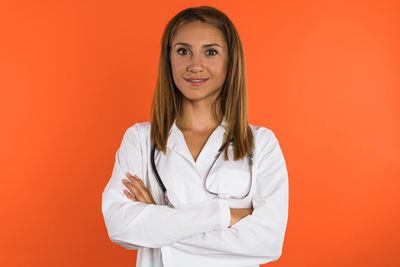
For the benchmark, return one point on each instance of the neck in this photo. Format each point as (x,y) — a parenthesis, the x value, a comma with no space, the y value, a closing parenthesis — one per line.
(196,116)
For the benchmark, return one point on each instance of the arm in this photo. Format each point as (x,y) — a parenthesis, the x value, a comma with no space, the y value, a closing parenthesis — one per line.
(239,213)
(135,224)
(257,238)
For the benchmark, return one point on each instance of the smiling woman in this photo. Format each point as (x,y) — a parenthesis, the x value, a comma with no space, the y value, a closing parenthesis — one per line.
(186,205)
(199,61)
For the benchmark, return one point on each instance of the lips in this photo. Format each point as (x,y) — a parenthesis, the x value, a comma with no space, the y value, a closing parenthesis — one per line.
(196,81)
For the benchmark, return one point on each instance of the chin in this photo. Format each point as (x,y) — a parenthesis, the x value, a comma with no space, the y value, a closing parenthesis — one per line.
(197,96)
(193,97)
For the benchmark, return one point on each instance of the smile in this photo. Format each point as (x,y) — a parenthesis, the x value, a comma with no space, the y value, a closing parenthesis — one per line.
(196,82)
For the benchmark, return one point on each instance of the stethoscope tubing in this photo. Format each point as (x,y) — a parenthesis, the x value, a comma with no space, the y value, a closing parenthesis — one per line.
(163,188)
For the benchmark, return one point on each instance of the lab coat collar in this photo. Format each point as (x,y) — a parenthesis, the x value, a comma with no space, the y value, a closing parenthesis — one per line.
(176,140)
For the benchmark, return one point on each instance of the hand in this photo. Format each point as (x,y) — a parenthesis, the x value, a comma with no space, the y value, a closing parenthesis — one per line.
(137,190)
(238,214)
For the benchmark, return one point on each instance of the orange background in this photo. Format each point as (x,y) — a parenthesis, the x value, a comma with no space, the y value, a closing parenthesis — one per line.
(323,75)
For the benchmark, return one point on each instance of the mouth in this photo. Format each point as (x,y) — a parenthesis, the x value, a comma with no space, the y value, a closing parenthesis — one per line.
(196,82)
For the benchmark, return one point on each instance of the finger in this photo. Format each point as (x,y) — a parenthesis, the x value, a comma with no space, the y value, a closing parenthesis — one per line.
(144,191)
(134,178)
(140,186)
(142,194)
(138,179)
(134,189)
(129,195)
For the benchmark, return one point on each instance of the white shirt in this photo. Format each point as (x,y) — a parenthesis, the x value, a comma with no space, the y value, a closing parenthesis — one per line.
(196,233)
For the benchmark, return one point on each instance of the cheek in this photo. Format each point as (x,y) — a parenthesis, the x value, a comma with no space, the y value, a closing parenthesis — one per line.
(178,62)
(221,70)
(174,70)
(177,66)
(173,65)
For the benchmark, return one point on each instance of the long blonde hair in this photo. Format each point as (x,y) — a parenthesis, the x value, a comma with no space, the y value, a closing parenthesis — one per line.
(232,99)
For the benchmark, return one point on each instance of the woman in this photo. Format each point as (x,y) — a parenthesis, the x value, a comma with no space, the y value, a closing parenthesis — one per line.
(199,186)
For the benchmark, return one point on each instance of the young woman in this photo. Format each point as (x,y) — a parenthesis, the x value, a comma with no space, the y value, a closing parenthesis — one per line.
(199,185)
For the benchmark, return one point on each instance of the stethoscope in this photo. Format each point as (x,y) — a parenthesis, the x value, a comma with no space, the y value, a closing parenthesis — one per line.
(171,198)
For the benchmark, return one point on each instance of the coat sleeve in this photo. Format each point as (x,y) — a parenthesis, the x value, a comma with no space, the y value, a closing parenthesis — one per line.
(133,224)
(257,238)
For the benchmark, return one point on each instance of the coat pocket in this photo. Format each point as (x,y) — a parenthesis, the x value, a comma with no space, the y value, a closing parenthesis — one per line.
(235,183)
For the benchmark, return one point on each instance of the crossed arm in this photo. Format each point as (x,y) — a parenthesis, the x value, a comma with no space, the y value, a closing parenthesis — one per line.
(137,191)
(252,237)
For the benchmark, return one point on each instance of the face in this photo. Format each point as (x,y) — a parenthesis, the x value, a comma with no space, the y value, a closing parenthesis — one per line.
(199,58)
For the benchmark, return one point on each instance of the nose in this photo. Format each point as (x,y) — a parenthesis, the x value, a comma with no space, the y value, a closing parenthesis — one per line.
(195,64)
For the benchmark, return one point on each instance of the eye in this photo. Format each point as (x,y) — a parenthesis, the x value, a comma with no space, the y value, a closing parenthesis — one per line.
(182,51)
(212,52)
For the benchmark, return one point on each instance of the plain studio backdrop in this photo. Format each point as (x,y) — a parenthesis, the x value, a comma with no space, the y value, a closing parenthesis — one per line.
(323,75)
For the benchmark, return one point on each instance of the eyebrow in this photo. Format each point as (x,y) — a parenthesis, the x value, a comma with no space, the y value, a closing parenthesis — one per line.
(206,45)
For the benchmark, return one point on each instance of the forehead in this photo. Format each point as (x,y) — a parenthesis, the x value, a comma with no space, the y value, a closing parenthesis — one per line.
(198,33)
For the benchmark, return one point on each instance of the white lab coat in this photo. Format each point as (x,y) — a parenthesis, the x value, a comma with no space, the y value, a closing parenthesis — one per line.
(196,233)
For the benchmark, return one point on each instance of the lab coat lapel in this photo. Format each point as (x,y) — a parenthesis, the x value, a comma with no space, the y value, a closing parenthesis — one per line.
(176,141)
(211,147)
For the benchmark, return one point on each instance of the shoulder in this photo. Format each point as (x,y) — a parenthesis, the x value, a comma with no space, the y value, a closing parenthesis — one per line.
(139,130)
(140,127)
(262,134)
(264,140)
